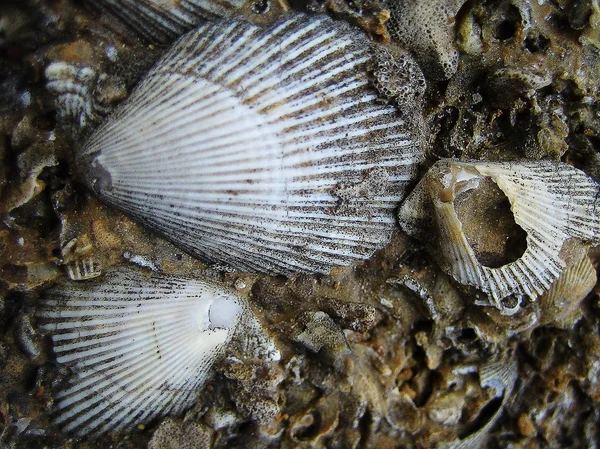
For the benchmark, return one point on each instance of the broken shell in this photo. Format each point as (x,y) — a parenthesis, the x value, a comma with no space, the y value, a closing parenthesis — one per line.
(457,201)
(72,87)
(269,153)
(139,346)
(318,423)
(162,21)
(499,375)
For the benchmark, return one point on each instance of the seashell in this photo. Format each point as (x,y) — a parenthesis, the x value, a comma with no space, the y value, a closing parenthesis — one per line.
(574,284)
(499,375)
(72,87)
(262,148)
(81,95)
(162,21)
(550,202)
(28,340)
(78,254)
(139,346)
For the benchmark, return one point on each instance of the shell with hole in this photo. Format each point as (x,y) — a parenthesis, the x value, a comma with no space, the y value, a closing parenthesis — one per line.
(501,226)
(263,148)
(141,346)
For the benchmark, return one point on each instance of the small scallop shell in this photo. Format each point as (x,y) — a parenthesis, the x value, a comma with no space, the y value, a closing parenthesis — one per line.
(83,269)
(551,202)
(262,148)
(81,95)
(139,346)
(574,284)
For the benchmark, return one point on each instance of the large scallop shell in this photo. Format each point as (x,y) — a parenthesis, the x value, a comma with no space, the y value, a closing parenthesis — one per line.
(551,202)
(139,346)
(263,148)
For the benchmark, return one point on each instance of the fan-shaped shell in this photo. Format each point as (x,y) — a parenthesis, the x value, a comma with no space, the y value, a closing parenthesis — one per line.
(426,28)
(266,149)
(552,202)
(139,346)
(574,284)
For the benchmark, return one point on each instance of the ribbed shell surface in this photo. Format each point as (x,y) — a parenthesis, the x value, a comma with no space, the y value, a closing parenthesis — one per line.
(552,202)
(163,21)
(138,346)
(262,148)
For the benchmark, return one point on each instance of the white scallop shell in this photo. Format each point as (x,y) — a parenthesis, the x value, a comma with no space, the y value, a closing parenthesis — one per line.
(262,148)
(163,21)
(139,346)
(552,202)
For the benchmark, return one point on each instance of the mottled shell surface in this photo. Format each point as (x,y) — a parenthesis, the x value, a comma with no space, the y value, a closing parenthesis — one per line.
(263,148)
(426,28)
(138,346)
(551,202)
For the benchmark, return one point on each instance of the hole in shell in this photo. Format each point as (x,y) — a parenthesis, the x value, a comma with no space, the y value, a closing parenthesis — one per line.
(223,313)
(505,30)
(467,335)
(537,43)
(261,6)
(489,225)
(511,302)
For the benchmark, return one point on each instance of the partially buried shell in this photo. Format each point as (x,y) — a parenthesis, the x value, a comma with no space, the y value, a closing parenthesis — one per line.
(263,148)
(140,346)
(162,21)
(457,210)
